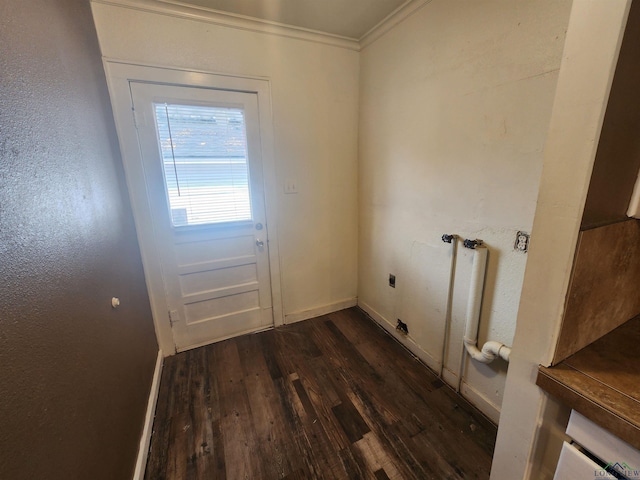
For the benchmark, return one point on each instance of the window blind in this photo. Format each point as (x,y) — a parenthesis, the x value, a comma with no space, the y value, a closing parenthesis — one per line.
(204,157)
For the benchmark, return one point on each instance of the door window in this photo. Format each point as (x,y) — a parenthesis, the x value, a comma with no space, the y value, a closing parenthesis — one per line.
(204,156)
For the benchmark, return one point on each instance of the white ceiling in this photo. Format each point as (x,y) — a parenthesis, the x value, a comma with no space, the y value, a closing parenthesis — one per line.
(347,18)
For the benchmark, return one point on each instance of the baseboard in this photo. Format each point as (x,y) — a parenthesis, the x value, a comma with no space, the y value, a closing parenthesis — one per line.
(480,401)
(406,340)
(145,440)
(321,310)
(476,398)
(450,377)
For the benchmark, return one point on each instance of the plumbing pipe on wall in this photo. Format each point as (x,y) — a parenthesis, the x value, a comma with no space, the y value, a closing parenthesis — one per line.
(491,349)
(453,240)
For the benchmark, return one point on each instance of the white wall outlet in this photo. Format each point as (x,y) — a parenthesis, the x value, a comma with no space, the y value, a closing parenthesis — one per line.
(522,242)
(290,186)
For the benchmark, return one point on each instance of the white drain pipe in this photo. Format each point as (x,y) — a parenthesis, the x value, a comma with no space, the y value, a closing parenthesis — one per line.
(491,349)
(453,240)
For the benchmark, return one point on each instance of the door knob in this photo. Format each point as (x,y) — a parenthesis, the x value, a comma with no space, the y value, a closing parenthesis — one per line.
(259,243)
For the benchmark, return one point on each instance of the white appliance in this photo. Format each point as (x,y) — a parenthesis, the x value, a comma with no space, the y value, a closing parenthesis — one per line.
(593,451)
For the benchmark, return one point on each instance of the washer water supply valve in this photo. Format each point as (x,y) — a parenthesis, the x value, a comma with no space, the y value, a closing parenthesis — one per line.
(448,238)
(472,244)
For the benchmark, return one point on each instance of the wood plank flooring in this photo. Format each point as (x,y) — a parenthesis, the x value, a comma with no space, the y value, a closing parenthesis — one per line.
(330,398)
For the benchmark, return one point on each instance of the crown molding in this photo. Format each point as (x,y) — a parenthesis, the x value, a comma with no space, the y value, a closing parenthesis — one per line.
(177,9)
(180,10)
(400,14)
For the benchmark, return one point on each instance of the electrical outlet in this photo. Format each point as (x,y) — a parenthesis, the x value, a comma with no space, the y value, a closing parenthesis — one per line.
(522,242)
(392,280)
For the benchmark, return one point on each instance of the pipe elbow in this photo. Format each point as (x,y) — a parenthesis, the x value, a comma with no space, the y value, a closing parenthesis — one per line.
(482,356)
(496,349)
(505,353)
(490,350)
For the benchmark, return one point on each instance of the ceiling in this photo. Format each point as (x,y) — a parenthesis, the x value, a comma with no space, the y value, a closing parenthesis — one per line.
(347,18)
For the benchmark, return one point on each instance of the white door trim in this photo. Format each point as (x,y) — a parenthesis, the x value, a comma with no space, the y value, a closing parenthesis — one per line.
(118,76)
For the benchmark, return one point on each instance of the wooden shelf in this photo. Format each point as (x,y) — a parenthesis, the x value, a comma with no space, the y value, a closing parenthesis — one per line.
(602,381)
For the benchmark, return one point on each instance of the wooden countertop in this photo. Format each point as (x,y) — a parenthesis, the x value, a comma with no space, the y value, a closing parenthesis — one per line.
(602,381)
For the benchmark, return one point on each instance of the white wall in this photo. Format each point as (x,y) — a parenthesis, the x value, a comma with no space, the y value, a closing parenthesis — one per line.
(455,105)
(531,426)
(314,91)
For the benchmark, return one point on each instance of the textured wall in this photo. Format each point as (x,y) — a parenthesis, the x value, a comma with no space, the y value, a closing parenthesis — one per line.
(455,107)
(75,374)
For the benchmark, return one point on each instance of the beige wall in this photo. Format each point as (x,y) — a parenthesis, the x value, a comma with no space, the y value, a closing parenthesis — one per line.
(455,108)
(314,102)
(531,422)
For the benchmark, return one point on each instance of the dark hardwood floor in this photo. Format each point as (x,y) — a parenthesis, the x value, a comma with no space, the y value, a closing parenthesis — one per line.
(333,397)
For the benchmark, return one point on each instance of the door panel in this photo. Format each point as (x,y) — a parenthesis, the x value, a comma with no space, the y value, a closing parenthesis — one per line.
(223,306)
(200,150)
(211,280)
(214,250)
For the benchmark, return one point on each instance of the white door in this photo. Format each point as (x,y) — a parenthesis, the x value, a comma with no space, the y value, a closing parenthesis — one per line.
(201,158)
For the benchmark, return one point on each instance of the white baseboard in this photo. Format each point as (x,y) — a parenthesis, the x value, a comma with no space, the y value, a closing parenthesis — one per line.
(321,310)
(145,440)
(406,340)
(450,377)
(481,402)
(476,398)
